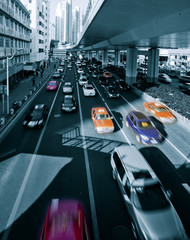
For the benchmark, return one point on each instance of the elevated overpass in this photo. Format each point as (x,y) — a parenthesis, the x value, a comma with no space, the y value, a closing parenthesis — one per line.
(133,25)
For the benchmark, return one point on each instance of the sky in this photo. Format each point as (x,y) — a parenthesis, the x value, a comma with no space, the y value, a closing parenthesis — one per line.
(82,4)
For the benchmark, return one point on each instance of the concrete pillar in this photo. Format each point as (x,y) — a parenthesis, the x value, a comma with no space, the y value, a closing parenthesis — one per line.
(104,58)
(131,66)
(117,58)
(153,62)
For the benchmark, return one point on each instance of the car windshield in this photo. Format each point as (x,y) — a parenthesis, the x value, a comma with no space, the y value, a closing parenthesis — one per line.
(161,109)
(89,87)
(52,83)
(112,90)
(67,85)
(102,116)
(145,124)
(36,114)
(149,198)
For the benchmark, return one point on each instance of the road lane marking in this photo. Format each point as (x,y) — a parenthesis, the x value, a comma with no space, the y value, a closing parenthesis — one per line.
(89,179)
(26,177)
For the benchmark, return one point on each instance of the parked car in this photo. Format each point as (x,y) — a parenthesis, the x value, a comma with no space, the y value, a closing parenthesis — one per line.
(163,77)
(65,219)
(152,213)
(184,86)
(111,92)
(143,128)
(36,116)
(52,86)
(67,87)
(68,104)
(102,120)
(161,112)
(89,90)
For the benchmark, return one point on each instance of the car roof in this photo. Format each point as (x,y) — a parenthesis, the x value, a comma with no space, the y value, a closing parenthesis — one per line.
(132,159)
(139,115)
(52,81)
(67,215)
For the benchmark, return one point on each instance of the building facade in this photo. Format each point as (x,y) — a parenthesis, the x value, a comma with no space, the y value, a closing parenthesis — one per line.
(40,32)
(14,39)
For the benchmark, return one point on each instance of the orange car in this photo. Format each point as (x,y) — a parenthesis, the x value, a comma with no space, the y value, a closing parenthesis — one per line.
(107,74)
(160,111)
(102,120)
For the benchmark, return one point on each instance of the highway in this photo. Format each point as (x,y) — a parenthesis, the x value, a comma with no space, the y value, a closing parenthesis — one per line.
(68,159)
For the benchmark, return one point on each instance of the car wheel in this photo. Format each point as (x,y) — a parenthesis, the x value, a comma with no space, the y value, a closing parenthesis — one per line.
(127,124)
(138,138)
(134,230)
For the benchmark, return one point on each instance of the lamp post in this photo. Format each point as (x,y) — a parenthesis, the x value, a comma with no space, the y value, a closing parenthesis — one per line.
(9,58)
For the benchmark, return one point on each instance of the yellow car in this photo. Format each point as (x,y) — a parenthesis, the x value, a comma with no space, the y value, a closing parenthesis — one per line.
(102,120)
(160,111)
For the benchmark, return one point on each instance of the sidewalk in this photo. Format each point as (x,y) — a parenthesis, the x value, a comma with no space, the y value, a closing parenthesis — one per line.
(21,93)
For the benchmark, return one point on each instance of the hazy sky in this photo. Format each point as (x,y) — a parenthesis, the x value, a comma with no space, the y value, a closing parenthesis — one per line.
(82,4)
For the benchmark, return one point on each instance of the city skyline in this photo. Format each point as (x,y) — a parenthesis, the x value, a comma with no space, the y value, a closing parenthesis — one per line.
(76,3)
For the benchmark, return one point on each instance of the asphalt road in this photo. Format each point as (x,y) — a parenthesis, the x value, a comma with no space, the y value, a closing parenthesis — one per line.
(67,159)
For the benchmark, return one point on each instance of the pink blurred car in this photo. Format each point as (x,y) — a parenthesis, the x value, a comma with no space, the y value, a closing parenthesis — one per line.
(65,220)
(52,86)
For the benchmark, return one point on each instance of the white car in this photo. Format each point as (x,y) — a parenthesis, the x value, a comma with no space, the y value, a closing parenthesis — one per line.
(67,87)
(83,75)
(80,70)
(89,90)
(60,69)
(83,81)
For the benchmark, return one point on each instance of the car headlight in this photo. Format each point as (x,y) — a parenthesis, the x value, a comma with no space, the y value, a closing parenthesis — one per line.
(99,129)
(144,137)
(40,122)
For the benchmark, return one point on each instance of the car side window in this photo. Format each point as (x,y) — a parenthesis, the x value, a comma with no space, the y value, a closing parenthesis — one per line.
(127,186)
(119,165)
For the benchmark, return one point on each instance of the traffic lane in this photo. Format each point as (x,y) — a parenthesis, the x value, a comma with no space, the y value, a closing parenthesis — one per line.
(19,139)
(171,181)
(176,135)
(72,183)
(108,199)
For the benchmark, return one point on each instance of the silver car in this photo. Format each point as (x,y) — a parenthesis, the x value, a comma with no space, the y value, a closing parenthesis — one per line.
(67,88)
(153,216)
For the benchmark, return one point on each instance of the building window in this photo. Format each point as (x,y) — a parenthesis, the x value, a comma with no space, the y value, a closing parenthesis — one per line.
(7,22)
(1,42)
(1,19)
(7,43)
(41,50)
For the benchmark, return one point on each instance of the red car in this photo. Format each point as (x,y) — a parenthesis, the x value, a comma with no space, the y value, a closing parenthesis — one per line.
(65,220)
(52,86)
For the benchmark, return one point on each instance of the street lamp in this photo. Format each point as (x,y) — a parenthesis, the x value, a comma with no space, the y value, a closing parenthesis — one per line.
(9,58)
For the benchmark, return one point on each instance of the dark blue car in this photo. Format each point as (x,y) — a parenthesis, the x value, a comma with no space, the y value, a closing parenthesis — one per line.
(143,128)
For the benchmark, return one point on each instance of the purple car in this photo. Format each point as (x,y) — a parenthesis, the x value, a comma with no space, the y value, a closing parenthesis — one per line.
(143,128)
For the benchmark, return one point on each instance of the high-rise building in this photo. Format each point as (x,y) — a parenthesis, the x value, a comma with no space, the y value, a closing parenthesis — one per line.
(40,40)
(52,31)
(63,22)
(14,39)
(76,25)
